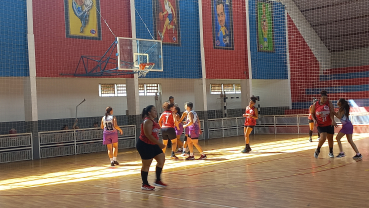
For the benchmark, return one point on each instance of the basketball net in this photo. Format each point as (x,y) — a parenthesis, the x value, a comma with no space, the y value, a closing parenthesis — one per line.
(144,68)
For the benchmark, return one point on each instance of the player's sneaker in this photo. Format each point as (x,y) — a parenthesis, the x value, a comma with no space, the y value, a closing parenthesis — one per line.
(318,139)
(160,184)
(184,154)
(116,162)
(316,154)
(190,158)
(357,156)
(179,150)
(310,140)
(341,154)
(112,163)
(173,156)
(147,187)
(202,157)
(331,155)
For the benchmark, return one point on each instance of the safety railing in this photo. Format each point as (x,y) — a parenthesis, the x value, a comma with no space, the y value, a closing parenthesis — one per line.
(277,124)
(15,147)
(81,141)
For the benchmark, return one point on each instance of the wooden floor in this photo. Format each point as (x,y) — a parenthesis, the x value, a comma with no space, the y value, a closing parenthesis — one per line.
(280,172)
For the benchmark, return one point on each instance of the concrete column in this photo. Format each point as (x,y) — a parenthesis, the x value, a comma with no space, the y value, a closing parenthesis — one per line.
(202,87)
(30,89)
(245,93)
(133,101)
(249,79)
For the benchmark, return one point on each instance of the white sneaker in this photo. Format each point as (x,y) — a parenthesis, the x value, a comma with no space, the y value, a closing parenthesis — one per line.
(318,138)
(331,155)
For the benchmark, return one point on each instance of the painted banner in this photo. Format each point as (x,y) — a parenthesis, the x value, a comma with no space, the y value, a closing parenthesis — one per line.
(265,26)
(82,19)
(222,24)
(166,21)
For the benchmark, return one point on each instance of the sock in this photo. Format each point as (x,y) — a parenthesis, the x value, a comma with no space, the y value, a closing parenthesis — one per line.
(310,133)
(144,177)
(247,145)
(318,149)
(358,154)
(111,159)
(173,153)
(184,149)
(202,153)
(331,150)
(115,158)
(191,153)
(158,173)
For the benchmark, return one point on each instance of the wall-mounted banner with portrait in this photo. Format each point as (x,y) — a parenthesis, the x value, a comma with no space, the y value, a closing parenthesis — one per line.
(166,21)
(222,24)
(265,26)
(82,19)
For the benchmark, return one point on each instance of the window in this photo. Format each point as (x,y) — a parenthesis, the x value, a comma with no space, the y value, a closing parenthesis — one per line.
(107,90)
(148,89)
(113,90)
(227,88)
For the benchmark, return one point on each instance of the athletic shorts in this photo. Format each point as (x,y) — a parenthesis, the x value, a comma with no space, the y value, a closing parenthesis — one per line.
(168,133)
(110,137)
(326,129)
(185,139)
(170,17)
(147,151)
(311,121)
(250,127)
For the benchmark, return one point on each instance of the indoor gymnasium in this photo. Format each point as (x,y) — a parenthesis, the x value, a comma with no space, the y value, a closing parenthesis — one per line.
(184,103)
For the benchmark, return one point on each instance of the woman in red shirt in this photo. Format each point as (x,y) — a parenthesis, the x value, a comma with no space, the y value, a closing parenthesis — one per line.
(150,148)
(323,114)
(312,122)
(167,122)
(250,121)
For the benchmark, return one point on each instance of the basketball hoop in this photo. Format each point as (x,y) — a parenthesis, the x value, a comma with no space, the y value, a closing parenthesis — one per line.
(144,68)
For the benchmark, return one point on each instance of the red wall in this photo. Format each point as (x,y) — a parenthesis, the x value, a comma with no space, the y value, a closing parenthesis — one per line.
(56,54)
(226,64)
(303,63)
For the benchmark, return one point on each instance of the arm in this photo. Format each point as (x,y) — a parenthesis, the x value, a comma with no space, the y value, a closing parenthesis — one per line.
(332,114)
(184,114)
(199,126)
(116,126)
(256,115)
(191,121)
(160,120)
(173,11)
(102,124)
(176,123)
(147,126)
(313,112)
(339,114)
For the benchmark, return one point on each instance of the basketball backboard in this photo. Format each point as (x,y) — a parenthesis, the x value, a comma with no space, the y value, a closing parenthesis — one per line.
(132,52)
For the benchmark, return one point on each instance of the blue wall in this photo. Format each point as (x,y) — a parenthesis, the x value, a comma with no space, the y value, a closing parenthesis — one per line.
(182,61)
(13,39)
(268,65)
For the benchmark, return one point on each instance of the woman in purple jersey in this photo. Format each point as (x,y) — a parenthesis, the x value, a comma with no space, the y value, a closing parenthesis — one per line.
(110,135)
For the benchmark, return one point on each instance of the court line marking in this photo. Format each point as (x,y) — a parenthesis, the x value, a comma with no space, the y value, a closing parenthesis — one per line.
(169,197)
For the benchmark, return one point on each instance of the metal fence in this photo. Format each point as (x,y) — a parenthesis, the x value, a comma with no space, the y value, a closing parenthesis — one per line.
(81,141)
(15,147)
(277,124)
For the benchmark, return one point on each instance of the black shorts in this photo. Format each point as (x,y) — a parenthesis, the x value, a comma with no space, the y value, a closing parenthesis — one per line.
(326,129)
(311,121)
(168,133)
(250,127)
(185,139)
(147,151)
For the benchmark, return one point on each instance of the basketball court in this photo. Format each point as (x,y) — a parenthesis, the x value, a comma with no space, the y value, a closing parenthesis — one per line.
(280,172)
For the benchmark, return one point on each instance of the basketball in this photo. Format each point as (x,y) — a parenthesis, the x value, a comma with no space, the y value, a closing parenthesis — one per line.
(161,16)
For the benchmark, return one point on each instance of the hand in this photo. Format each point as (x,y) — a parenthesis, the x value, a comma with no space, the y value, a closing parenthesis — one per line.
(161,145)
(200,132)
(121,132)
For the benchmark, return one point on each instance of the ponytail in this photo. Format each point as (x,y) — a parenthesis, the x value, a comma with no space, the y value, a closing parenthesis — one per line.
(145,111)
(107,111)
(345,106)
